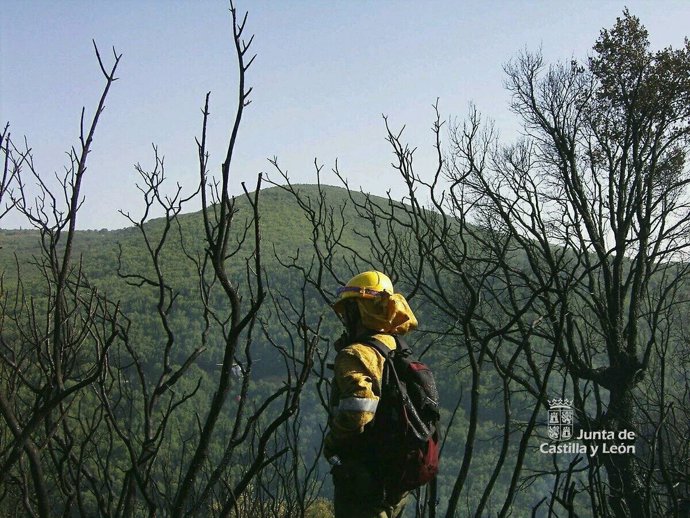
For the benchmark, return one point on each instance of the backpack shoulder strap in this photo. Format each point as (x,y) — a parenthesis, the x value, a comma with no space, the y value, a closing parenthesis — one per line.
(402,345)
(390,373)
(377,344)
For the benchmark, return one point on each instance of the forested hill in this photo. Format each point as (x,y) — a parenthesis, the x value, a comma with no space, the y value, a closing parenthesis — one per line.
(119,263)
(179,355)
(284,227)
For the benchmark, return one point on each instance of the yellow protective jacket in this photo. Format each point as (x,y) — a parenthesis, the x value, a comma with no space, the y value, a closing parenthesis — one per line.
(358,370)
(355,392)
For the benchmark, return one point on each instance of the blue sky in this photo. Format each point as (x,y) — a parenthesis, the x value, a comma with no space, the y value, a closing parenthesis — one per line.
(324,75)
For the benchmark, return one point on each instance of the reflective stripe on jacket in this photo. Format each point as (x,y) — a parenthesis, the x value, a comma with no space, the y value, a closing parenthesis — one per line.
(355,392)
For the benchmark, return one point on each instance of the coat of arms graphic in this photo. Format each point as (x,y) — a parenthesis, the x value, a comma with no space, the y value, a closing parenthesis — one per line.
(560,425)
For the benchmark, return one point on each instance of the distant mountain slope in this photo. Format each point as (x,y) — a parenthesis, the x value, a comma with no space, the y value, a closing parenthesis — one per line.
(283,225)
(285,234)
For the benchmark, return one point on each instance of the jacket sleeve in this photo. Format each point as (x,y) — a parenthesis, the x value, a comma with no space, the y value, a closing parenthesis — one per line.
(358,371)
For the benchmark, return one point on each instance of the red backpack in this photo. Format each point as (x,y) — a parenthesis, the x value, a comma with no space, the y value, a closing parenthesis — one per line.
(405,427)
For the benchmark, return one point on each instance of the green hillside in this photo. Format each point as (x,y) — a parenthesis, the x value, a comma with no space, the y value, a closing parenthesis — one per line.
(118,265)
(286,234)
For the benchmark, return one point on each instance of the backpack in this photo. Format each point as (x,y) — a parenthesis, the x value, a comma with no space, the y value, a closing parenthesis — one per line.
(405,427)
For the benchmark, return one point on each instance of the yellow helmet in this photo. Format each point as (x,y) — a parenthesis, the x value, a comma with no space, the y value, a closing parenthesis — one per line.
(365,285)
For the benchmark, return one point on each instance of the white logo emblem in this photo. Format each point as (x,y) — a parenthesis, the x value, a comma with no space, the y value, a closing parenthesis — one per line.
(560,425)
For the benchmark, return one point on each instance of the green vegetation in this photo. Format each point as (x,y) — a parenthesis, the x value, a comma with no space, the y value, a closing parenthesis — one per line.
(285,234)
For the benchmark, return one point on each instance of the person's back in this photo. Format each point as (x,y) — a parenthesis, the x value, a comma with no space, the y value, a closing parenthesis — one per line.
(368,307)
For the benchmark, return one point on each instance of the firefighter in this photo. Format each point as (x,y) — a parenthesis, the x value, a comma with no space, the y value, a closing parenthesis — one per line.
(367,306)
